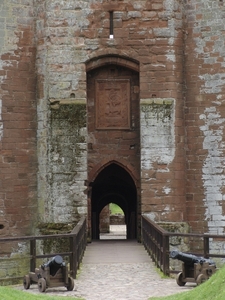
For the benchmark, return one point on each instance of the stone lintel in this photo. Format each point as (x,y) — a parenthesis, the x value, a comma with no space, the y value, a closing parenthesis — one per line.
(67,101)
(157,101)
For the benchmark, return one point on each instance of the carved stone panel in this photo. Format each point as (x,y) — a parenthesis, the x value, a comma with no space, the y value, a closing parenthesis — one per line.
(112,103)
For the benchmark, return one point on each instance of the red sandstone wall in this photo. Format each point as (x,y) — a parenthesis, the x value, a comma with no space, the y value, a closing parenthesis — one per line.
(71,33)
(150,32)
(205,114)
(18,163)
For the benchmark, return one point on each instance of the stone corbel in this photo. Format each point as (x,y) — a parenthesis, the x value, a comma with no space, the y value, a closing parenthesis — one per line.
(55,103)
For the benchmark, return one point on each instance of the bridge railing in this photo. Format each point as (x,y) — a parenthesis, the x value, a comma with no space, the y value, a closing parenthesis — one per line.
(156,241)
(77,245)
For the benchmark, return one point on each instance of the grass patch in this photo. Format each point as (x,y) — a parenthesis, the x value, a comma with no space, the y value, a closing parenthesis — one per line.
(161,274)
(214,288)
(115,209)
(9,293)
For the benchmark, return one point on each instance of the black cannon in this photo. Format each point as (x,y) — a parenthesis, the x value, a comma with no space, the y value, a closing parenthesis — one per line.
(54,264)
(54,273)
(190,259)
(194,268)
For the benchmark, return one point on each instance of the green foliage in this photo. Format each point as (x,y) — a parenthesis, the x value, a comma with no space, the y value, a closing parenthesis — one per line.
(211,289)
(8,293)
(115,209)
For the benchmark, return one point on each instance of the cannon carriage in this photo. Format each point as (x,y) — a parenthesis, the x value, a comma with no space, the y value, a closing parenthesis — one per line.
(194,268)
(54,273)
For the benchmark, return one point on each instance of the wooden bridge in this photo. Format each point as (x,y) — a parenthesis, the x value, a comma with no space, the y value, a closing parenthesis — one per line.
(155,240)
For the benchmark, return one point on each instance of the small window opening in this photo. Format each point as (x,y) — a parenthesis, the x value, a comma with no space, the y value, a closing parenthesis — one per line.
(111,36)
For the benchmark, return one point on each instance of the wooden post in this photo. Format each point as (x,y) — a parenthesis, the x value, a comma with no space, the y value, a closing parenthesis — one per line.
(166,260)
(73,256)
(32,255)
(206,247)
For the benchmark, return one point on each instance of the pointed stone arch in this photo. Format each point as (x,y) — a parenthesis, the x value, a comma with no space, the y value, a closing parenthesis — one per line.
(112,59)
(120,162)
(114,184)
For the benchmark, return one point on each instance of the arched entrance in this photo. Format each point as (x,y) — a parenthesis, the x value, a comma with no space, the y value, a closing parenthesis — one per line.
(113,122)
(114,185)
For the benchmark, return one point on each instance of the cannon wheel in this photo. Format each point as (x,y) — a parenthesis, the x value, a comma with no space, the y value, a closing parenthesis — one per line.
(41,285)
(70,286)
(26,282)
(179,280)
(200,279)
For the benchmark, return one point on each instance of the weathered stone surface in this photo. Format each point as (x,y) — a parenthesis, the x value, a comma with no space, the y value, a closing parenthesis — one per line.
(18,121)
(172,142)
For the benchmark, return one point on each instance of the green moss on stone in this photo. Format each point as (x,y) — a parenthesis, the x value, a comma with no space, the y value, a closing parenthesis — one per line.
(16,266)
(55,245)
(162,111)
(55,228)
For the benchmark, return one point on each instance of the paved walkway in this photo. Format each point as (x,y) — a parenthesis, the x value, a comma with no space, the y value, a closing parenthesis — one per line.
(117,269)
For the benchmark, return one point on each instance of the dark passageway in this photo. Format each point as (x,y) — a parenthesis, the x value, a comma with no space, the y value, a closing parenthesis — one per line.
(114,184)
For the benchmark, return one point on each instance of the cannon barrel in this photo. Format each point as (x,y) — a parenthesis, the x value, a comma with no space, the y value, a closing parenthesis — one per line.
(54,264)
(190,258)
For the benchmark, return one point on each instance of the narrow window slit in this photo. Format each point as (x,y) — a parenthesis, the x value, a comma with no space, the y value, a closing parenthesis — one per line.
(111,25)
